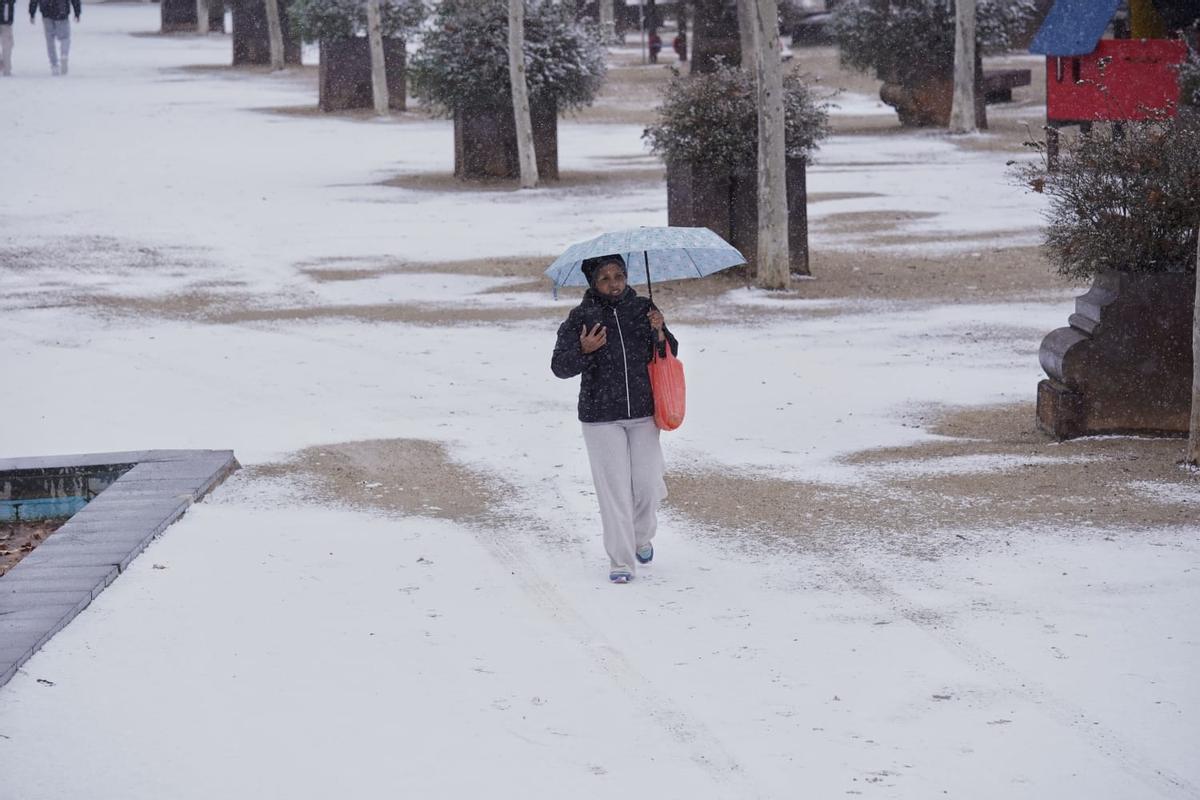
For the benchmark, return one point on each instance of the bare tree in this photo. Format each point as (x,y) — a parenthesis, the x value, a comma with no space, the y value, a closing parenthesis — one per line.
(772,261)
(201,16)
(274,34)
(379,87)
(962,109)
(1193,451)
(520,94)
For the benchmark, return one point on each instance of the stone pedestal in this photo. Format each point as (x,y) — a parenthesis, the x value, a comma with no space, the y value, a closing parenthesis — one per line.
(1124,362)
(927,102)
(726,202)
(485,142)
(345,74)
(250,41)
(179,16)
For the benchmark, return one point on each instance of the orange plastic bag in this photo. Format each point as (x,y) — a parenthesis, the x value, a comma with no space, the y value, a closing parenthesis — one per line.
(666,382)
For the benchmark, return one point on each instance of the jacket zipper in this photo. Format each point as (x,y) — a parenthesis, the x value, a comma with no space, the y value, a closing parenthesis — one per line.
(625,359)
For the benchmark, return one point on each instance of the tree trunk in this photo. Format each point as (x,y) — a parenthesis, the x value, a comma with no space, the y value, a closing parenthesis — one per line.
(379,87)
(202,16)
(1193,452)
(274,34)
(772,263)
(608,23)
(526,155)
(745,12)
(962,112)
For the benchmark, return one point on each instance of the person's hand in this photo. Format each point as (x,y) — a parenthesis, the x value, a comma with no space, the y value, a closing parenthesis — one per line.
(656,322)
(77,18)
(591,341)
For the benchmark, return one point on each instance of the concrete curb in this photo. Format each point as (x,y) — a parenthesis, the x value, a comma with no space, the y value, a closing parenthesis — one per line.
(56,581)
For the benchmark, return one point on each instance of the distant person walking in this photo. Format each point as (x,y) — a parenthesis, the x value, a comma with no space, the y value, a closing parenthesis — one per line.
(7,9)
(57,24)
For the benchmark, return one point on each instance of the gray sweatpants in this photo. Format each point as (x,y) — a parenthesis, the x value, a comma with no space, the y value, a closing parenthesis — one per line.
(6,41)
(627,468)
(59,29)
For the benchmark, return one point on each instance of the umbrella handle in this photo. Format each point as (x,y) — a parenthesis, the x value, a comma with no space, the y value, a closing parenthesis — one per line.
(649,286)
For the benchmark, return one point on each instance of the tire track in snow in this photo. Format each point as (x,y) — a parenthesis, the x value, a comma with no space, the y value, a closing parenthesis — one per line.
(1128,757)
(706,750)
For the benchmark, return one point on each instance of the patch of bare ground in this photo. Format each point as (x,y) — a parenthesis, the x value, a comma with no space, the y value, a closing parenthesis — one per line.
(410,314)
(567,181)
(988,275)
(410,477)
(17,539)
(1002,476)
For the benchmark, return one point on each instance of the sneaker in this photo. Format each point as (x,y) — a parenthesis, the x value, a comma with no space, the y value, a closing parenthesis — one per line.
(620,576)
(62,70)
(54,69)
(645,554)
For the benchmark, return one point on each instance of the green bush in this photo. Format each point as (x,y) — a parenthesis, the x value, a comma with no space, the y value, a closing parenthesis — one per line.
(1128,202)
(713,118)
(463,60)
(906,40)
(344,19)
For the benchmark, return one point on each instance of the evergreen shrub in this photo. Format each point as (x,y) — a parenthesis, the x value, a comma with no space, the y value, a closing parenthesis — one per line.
(1127,201)
(463,60)
(908,40)
(316,20)
(712,118)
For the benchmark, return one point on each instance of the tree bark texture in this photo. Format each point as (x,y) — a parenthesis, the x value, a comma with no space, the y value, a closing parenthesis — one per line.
(962,112)
(250,36)
(608,21)
(179,16)
(345,79)
(202,19)
(773,269)
(526,157)
(749,48)
(274,34)
(379,82)
(1193,453)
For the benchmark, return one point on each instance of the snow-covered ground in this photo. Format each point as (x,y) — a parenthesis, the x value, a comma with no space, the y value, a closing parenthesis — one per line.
(288,649)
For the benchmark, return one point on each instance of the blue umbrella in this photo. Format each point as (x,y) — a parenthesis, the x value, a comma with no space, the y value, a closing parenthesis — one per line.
(670,253)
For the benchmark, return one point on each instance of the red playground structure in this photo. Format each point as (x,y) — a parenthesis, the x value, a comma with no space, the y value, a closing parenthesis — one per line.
(1091,79)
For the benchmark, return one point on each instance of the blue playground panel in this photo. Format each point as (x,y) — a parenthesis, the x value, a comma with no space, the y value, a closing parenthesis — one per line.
(1073,27)
(40,508)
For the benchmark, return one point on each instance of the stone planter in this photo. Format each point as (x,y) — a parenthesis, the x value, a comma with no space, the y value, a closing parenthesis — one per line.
(345,74)
(179,16)
(250,41)
(1124,363)
(726,202)
(926,101)
(485,142)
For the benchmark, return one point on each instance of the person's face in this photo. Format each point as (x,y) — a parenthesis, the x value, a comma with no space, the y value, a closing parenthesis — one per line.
(610,280)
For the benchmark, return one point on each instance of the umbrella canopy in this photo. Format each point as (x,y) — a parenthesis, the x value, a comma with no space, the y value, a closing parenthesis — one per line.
(660,254)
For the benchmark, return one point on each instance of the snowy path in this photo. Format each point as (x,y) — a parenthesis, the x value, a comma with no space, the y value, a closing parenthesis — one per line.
(287,649)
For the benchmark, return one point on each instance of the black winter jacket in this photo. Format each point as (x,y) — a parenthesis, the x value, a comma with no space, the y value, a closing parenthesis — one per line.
(7,9)
(55,9)
(616,381)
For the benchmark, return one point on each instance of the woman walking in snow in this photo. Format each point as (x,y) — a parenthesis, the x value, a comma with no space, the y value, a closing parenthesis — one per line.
(609,339)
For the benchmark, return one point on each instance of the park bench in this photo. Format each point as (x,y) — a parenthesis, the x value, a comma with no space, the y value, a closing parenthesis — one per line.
(999,83)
